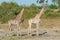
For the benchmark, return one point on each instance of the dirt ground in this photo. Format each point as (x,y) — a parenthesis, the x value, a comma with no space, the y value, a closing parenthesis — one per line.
(32,38)
(51,26)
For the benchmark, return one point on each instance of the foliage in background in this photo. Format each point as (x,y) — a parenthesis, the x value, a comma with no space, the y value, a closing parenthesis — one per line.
(30,11)
(56,2)
(52,6)
(9,10)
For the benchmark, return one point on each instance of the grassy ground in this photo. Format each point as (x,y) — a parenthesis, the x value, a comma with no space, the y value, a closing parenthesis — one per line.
(50,25)
(44,37)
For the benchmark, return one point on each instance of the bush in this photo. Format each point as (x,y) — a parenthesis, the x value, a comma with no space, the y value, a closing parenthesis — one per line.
(53,6)
(8,10)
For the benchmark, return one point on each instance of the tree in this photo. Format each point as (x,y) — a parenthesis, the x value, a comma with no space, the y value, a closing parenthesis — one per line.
(46,1)
(8,10)
(52,6)
(30,11)
(42,2)
(56,2)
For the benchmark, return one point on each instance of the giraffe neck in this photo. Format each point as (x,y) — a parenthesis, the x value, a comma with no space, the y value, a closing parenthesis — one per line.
(20,14)
(40,13)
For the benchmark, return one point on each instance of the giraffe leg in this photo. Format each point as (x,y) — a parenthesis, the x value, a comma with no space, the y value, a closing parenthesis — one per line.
(19,32)
(37,32)
(17,29)
(29,29)
(9,27)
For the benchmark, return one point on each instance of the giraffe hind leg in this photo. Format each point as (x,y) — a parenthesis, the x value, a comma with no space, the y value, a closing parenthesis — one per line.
(29,29)
(37,32)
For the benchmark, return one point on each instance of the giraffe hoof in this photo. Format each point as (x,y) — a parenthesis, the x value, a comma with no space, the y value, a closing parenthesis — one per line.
(33,34)
(29,33)
(14,35)
(23,34)
(43,33)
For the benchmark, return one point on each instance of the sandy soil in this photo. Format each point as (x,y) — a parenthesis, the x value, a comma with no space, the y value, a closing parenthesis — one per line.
(51,26)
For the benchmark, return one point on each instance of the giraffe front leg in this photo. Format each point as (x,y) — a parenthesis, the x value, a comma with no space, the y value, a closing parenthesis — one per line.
(9,27)
(37,32)
(17,29)
(29,29)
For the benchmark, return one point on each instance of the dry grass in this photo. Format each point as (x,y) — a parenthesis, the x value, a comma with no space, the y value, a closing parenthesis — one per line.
(49,22)
(45,24)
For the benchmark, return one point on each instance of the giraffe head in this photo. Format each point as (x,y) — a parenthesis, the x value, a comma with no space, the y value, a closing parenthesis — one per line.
(44,6)
(23,5)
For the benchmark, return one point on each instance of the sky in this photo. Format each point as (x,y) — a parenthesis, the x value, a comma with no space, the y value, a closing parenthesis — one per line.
(26,2)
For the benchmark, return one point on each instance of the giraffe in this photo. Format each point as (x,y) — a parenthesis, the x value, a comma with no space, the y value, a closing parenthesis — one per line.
(17,20)
(35,20)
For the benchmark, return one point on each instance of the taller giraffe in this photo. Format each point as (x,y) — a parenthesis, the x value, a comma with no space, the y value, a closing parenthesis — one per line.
(17,20)
(36,21)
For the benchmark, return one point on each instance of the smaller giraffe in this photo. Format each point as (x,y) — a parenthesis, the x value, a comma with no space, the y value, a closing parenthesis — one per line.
(17,20)
(36,21)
